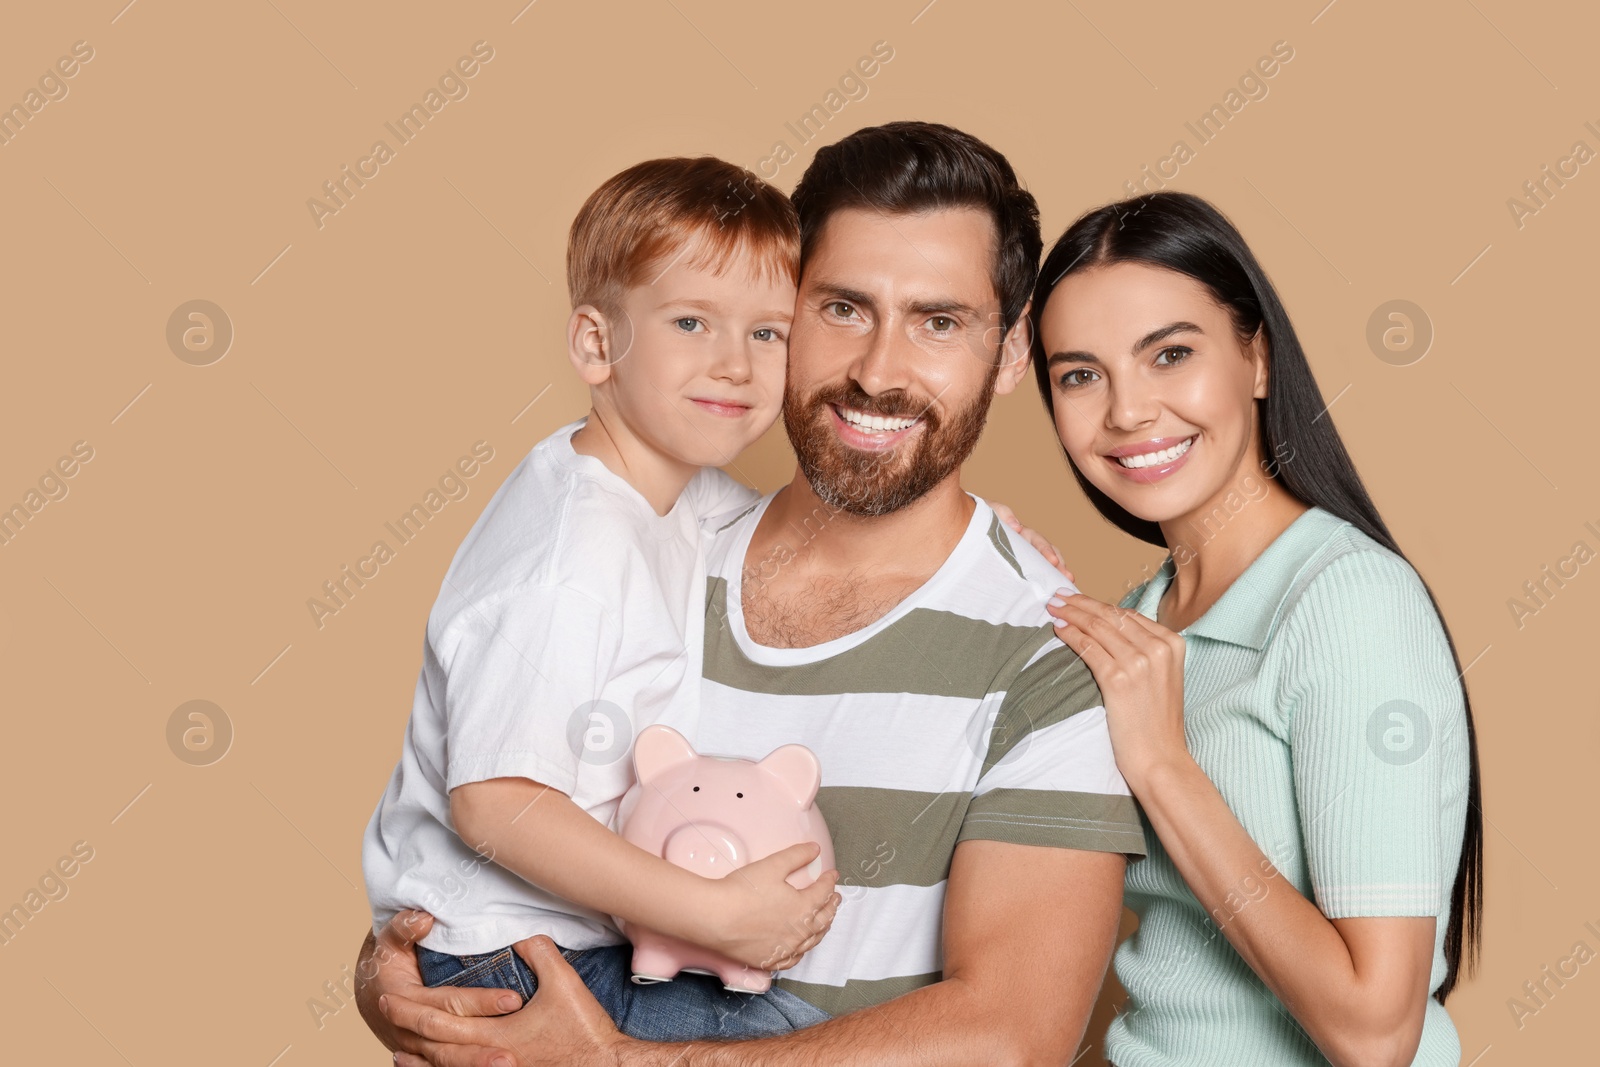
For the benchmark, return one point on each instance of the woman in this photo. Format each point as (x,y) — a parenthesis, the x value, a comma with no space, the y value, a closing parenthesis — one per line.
(1284,699)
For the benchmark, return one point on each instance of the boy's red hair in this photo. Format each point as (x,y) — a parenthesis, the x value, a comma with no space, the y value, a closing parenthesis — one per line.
(630,228)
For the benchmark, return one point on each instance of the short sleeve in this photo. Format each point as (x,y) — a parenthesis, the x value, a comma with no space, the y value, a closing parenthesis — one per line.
(1048,775)
(712,494)
(516,670)
(1376,734)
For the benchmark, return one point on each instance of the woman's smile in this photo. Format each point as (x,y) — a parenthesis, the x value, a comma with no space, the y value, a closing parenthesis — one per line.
(1152,460)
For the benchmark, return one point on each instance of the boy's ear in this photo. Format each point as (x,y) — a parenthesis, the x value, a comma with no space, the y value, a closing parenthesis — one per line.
(590,344)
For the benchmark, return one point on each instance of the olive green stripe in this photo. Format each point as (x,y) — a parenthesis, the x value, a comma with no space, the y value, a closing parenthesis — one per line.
(883,837)
(1003,546)
(855,994)
(929,652)
(737,517)
(1052,689)
(1094,822)
(891,836)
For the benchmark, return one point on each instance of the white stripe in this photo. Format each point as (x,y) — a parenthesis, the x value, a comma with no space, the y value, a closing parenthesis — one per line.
(1071,755)
(930,744)
(879,932)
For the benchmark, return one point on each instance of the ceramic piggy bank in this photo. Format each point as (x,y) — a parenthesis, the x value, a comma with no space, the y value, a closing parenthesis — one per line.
(712,815)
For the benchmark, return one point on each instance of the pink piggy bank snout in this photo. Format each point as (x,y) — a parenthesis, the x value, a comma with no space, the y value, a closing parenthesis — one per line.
(706,849)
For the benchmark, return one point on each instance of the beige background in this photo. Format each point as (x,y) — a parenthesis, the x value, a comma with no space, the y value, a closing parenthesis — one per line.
(425,315)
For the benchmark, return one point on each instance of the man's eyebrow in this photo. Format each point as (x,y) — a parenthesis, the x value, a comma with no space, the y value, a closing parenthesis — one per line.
(843,292)
(946,307)
(1162,333)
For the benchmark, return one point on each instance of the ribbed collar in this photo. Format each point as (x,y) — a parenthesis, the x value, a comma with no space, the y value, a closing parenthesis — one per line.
(1248,610)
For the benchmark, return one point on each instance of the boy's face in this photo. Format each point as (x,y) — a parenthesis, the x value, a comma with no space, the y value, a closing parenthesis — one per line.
(698,359)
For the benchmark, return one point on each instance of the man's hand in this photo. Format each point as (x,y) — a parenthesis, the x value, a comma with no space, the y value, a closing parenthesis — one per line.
(387,966)
(1034,538)
(562,1024)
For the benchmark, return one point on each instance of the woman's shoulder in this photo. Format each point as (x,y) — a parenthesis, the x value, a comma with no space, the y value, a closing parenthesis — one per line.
(1352,579)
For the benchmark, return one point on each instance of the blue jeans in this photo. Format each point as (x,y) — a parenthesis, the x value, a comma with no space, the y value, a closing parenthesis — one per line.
(690,1007)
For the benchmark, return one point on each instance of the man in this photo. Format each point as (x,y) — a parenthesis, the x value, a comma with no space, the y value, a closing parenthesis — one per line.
(876,612)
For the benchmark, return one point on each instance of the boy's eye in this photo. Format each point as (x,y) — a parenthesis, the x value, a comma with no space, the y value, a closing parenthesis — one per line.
(766,333)
(688,325)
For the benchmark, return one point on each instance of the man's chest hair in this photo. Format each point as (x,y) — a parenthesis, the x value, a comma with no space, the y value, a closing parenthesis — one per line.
(806,611)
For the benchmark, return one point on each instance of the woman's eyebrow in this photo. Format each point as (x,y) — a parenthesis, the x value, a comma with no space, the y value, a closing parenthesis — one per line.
(1162,333)
(1072,357)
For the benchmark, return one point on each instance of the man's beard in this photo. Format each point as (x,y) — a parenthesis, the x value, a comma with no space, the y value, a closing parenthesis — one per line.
(865,482)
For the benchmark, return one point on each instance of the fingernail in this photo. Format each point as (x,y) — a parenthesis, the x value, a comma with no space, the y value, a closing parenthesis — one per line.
(509,1002)
(502,1061)
(1056,602)
(383,1002)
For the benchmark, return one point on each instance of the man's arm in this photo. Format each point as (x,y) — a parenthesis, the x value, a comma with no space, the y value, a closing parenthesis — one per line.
(1028,934)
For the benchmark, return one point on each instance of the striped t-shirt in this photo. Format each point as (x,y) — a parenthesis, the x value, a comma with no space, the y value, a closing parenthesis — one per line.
(956,715)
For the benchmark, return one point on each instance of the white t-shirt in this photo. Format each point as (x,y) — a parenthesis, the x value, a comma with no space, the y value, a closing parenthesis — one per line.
(571,618)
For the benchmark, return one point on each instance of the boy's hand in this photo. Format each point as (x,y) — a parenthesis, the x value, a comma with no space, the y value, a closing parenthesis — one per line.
(1034,538)
(758,918)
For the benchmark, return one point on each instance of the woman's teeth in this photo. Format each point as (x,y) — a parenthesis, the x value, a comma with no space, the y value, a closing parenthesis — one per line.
(873,423)
(1155,459)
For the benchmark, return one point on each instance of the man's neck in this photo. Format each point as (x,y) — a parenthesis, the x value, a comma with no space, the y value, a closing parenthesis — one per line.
(814,573)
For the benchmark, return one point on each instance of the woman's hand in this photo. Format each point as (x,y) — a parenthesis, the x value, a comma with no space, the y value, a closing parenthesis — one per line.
(1034,538)
(1138,664)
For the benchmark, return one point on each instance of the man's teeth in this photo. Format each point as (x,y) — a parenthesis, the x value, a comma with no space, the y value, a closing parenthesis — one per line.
(1155,459)
(874,423)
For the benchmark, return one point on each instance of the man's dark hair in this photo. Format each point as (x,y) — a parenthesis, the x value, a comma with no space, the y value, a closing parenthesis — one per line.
(910,167)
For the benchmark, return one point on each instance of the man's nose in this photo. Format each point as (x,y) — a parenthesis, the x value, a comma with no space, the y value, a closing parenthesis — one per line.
(887,363)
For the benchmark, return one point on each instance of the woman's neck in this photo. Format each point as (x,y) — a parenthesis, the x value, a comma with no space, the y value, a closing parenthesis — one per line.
(1214,544)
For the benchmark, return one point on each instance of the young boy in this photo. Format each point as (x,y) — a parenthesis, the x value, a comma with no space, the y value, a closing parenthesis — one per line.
(572,616)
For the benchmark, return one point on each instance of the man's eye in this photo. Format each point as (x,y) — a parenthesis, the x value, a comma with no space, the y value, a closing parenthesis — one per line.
(942,323)
(688,325)
(841,309)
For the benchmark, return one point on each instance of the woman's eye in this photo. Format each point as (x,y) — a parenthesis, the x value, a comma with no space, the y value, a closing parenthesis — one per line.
(1071,378)
(1180,353)
(688,325)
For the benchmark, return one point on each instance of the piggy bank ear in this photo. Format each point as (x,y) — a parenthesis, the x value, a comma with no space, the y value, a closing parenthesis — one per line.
(797,768)
(659,748)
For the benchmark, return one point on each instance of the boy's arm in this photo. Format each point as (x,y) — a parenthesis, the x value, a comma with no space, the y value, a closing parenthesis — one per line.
(1028,934)
(753,915)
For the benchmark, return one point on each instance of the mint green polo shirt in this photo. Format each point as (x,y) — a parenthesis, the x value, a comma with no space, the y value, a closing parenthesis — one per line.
(1321,697)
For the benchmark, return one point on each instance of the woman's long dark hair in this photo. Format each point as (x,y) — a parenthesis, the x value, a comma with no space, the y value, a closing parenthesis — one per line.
(1184,233)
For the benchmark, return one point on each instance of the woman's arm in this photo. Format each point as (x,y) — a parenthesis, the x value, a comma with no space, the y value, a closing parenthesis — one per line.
(1358,986)
(752,915)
